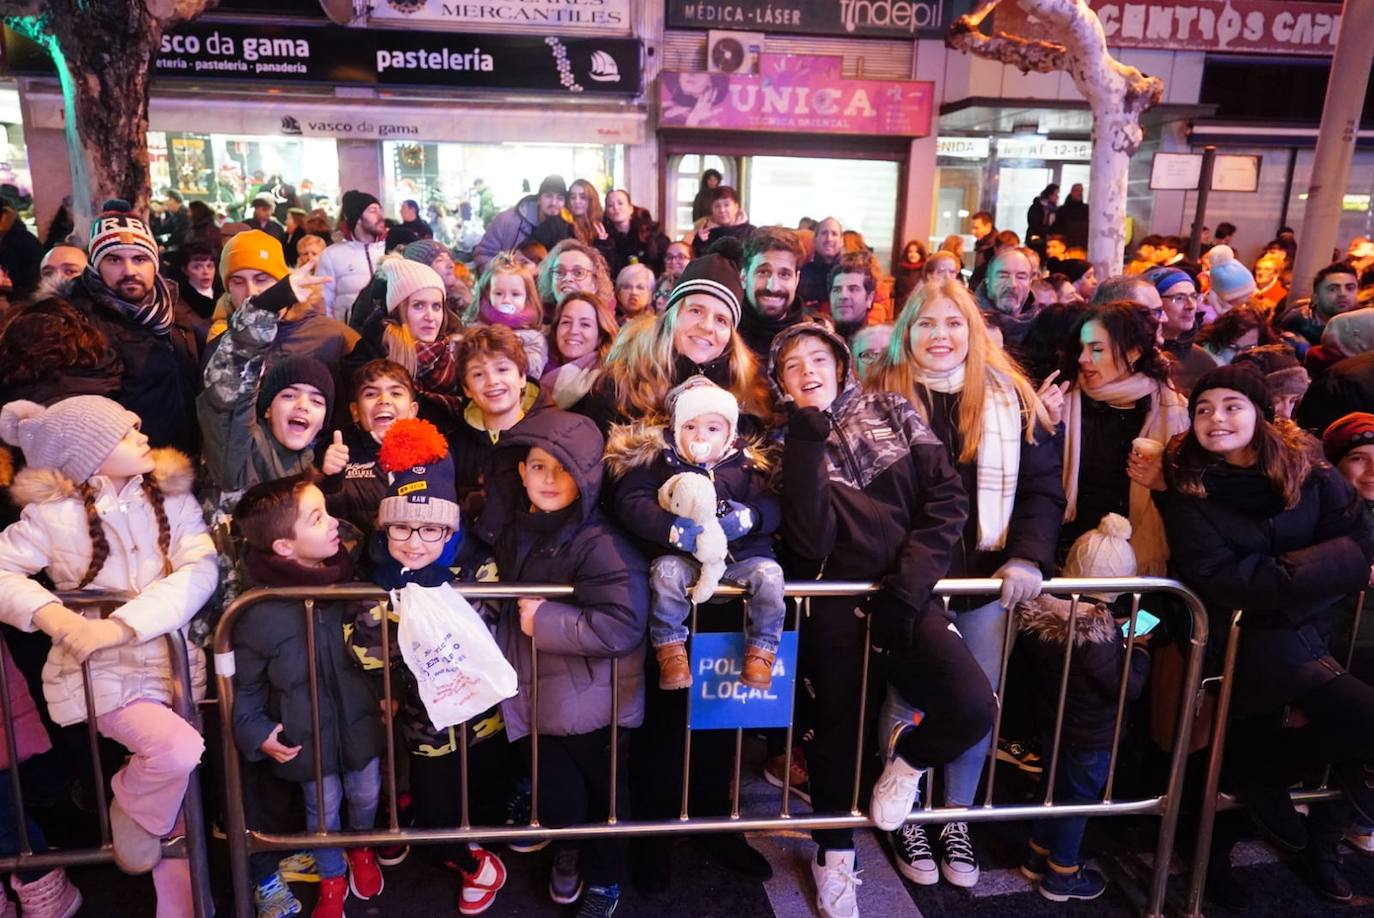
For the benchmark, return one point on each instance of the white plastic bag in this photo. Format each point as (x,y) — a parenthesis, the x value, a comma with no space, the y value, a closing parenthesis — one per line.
(458,667)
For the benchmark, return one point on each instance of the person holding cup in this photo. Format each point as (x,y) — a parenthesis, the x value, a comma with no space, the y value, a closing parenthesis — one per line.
(1120,396)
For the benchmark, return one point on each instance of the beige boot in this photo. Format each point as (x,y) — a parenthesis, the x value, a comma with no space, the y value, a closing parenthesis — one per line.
(674,671)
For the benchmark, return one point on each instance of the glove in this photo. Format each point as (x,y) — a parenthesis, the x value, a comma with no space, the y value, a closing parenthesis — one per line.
(1021,582)
(683,534)
(58,622)
(892,623)
(808,424)
(97,634)
(737,520)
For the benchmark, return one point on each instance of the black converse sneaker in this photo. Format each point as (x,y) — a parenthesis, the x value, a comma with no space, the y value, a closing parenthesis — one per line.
(958,863)
(915,861)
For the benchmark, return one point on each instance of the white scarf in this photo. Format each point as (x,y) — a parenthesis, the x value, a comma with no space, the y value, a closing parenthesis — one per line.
(999,451)
(1168,415)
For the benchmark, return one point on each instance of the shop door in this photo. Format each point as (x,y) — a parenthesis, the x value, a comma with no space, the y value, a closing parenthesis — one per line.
(1017,187)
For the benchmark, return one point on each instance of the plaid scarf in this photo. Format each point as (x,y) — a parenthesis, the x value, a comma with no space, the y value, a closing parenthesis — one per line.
(436,374)
(154,313)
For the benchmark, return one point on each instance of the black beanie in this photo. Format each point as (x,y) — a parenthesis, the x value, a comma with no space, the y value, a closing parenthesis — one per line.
(1244,378)
(353,204)
(715,276)
(292,370)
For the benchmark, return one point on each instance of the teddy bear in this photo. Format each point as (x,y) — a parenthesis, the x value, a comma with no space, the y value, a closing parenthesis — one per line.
(693,496)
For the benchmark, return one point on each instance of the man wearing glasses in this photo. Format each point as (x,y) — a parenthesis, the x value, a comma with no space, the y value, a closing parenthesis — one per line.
(1179,300)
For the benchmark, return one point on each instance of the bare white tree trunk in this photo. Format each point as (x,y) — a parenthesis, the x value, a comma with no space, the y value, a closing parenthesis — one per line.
(1116,93)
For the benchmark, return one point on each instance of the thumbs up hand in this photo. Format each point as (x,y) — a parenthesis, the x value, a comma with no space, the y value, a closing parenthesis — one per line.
(335,456)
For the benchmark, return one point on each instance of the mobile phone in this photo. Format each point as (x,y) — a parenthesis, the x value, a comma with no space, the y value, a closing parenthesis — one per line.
(1144,624)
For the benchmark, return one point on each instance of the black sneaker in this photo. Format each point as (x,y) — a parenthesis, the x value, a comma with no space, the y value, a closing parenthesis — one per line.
(915,860)
(565,879)
(1272,812)
(518,814)
(1019,754)
(729,849)
(1324,876)
(1356,779)
(599,902)
(1084,883)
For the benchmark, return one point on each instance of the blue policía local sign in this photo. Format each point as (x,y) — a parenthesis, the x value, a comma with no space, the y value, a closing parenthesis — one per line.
(719,701)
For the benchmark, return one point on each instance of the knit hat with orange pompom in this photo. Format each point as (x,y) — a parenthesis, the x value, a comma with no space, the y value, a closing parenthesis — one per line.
(420,484)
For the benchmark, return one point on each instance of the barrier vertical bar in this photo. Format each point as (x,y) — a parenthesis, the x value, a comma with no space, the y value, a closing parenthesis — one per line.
(1063,699)
(1009,630)
(313,663)
(1208,816)
(863,715)
(102,802)
(192,810)
(1121,698)
(12,748)
(615,737)
(534,732)
(687,735)
(1354,632)
(235,828)
(803,608)
(390,707)
(739,732)
(463,788)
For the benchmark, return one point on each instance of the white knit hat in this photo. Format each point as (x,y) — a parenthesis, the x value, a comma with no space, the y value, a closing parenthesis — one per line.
(1103,552)
(698,396)
(404,278)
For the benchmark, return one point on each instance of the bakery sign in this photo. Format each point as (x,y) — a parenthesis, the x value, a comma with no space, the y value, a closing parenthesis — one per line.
(1267,26)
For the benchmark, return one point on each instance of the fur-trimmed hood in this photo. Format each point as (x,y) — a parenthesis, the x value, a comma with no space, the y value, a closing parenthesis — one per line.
(1047,618)
(637,444)
(172,471)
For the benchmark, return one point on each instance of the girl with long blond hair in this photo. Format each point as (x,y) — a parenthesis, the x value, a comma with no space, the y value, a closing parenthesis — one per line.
(1000,438)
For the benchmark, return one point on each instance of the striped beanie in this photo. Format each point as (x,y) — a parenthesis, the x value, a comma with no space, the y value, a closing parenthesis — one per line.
(117,228)
(713,275)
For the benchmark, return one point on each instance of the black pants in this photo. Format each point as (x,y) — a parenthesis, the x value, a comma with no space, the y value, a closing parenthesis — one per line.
(436,788)
(575,787)
(938,675)
(1340,729)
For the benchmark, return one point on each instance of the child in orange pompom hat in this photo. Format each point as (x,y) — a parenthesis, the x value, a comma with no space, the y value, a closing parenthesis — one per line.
(418,540)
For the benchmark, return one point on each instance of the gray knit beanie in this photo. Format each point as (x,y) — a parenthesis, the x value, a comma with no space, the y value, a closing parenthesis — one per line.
(73,436)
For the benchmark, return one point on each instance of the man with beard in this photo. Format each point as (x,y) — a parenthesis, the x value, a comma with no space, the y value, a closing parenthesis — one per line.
(351,263)
(139,312)
(852,289)
(535,216)
(1335,290)
(770,277)
(1005,296)
(1179,300)
(814,288)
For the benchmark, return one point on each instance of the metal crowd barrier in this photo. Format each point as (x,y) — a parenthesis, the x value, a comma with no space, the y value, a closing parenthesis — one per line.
(1213,801)
(190,845)
(243,841)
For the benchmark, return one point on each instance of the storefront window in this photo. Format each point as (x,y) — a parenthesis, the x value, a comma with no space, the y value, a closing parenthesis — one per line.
(489,177)
(958,191)
(685,181)
(14,161)
(861,194)
(228,170)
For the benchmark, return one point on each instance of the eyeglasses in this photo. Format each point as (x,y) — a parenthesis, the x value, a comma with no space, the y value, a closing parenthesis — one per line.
(577,274)
(400,532)
(1182,299)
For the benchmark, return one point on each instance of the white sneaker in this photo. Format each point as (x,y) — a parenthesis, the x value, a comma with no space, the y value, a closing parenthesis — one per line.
(894,794)
(958,863)
(836,882)
(1360,841)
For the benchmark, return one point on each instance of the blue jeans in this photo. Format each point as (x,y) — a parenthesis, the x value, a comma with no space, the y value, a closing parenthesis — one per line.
(1081,776)
(362,789)
(984,629)
(671,578)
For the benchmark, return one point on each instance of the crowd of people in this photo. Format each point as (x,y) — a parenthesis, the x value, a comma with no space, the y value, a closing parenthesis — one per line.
(595,404)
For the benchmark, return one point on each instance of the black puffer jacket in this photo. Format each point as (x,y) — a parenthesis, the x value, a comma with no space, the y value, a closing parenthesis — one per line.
(1037,510)
(1094,670)
(161,373)
(1285,568)
(640,459)
(355,493)
(643,242)
(876,500)
(272,680)
(607,616)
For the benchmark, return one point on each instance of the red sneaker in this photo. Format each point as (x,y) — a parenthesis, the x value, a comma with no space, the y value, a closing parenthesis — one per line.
(364,876)
(333,892)
(480,886)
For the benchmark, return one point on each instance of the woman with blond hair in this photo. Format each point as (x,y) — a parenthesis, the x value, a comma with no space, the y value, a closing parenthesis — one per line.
(696,335)
(1000,438)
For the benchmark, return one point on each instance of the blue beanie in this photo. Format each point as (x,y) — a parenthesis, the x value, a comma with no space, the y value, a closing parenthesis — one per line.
(1164,278)
(1231,280)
